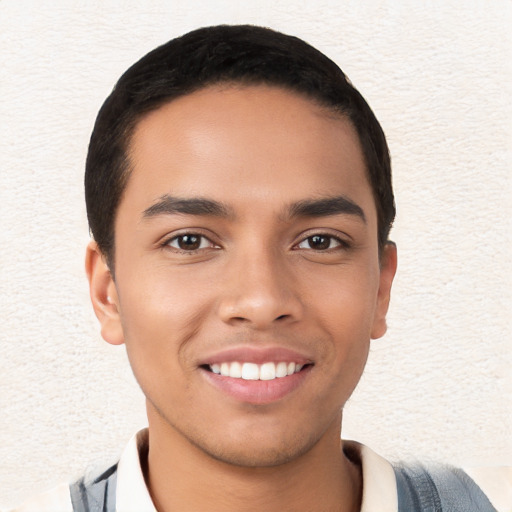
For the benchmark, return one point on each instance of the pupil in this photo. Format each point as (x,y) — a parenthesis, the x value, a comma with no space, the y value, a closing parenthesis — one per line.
(319,242)
(189,242)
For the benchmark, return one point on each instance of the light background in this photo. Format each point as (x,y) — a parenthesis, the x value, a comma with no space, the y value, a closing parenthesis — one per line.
(438,75)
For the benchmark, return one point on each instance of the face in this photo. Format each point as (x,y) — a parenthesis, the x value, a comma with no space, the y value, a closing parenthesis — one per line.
(247,274)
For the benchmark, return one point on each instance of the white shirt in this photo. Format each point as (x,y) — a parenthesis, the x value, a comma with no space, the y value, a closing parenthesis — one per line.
(379,484)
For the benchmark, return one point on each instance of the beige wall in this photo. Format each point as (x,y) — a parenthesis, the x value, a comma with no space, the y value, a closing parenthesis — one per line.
(438,75)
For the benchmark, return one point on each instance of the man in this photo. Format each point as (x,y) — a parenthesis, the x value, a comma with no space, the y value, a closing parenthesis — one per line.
(239,195)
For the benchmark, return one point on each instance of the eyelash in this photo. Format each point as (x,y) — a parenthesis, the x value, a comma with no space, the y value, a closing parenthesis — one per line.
(202,239)
(340,243)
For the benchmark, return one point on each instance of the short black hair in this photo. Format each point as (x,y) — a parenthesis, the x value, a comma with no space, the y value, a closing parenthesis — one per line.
(231,54)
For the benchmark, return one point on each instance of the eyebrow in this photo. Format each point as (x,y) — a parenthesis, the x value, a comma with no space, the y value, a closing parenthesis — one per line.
(189,206)
(325,207)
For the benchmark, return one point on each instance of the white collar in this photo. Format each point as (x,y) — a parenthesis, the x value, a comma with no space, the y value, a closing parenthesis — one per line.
(132,495)
(379,484)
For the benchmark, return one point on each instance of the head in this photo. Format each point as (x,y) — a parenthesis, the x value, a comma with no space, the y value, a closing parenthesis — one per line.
(245,55)
(240,187)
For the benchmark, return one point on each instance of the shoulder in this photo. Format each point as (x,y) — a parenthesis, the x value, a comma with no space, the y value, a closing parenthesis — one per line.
(450,488)
(121,484)
(57,499)
(94,491)
(496,482)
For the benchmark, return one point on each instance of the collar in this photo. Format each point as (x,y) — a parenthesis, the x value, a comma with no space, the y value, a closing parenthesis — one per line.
(132,495)
(379,484)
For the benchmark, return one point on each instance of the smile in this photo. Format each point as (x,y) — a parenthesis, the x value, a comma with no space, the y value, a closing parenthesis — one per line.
(256,375)
(253,371)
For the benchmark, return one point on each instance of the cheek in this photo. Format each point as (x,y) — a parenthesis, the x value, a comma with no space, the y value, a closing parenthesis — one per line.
(345,299)
(162,296)
(344,307)
(160,313)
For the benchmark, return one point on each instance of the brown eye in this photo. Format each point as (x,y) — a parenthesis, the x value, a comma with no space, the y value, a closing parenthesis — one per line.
(319,243)
(190,242)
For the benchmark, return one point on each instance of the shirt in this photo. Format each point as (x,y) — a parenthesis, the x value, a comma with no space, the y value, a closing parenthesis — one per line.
(379,484)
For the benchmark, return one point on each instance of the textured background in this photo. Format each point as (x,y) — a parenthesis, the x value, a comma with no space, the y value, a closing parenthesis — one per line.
(438,75)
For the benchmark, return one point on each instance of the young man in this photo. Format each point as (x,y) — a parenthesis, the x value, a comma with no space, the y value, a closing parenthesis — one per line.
(239,194)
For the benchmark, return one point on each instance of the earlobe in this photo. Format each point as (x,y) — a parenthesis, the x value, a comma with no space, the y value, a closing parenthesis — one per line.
(103,293)
(387,274)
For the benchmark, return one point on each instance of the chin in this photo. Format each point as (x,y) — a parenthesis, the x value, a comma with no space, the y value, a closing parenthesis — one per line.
(262,458)
(256,452)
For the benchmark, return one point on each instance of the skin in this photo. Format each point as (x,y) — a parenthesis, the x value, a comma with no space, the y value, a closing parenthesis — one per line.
(257,279)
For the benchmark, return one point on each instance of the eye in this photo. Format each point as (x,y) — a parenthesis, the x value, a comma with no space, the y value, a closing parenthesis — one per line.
(190,242)
(320,243)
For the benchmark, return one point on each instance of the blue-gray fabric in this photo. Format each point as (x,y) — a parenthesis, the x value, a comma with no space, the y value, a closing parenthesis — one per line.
(95,492)
(438,489)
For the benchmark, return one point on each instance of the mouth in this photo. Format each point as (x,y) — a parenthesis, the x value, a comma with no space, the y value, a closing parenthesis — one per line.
(256,375)
(257,378)
(267,371)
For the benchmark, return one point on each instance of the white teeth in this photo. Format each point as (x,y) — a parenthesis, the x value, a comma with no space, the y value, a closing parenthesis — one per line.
(235,370)
(250,371)
(281,370)
(268,371)
(253,371)
(224,369)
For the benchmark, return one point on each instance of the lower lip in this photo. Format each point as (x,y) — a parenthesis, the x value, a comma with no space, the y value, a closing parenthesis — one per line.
(257,391)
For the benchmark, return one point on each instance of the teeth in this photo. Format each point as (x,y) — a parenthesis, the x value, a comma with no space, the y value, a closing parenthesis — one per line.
(250,371)
(253,371)
(282,369)
(268,371)
(235,370)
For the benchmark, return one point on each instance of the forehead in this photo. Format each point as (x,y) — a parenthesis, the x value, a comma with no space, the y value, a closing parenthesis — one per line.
(245,143)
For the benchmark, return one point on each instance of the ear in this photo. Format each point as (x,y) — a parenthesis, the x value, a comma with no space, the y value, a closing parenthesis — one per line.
(103,293)
(388,264)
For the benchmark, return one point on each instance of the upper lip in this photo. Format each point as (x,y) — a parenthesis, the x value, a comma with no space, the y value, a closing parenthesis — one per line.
(258,355)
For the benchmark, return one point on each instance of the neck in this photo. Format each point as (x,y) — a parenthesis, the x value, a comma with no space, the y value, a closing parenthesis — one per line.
(181,476)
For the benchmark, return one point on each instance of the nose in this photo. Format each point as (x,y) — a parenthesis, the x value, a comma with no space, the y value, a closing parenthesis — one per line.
(260,291)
